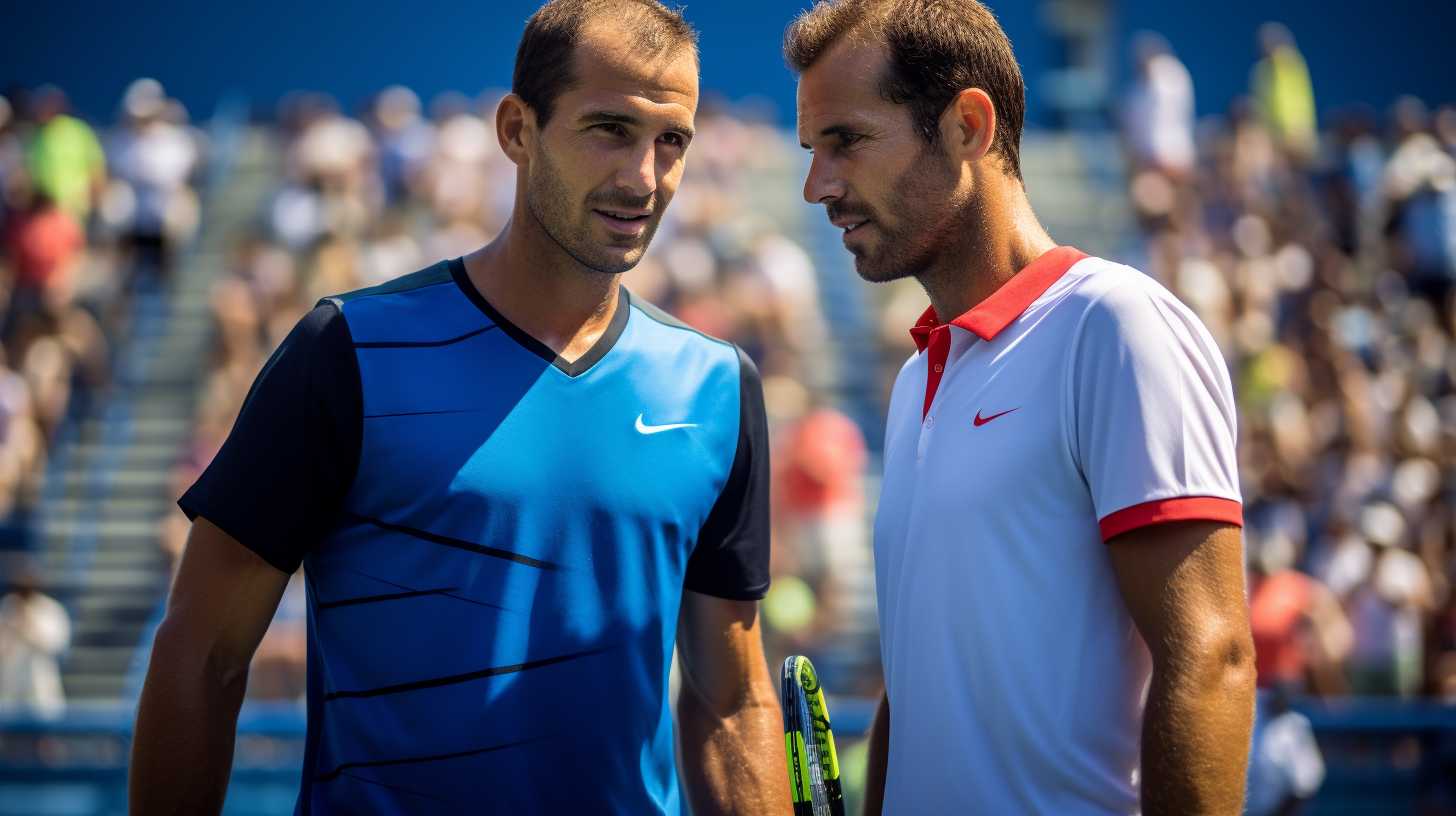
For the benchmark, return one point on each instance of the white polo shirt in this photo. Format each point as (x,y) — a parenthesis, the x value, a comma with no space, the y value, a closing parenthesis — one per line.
(1079,401)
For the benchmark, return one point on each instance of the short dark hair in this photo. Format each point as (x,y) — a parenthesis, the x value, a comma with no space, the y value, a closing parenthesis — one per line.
(937,48)
(544,58)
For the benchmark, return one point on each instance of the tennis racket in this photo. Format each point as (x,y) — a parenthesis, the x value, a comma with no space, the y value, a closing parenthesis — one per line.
(813,765)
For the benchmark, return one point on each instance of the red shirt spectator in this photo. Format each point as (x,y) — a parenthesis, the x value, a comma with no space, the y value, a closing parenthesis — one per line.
(824,458)
(1301,635)
(1277,607)
(42,243)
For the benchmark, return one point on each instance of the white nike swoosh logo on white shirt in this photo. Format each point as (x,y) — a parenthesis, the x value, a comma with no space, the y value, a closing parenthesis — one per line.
(648,430)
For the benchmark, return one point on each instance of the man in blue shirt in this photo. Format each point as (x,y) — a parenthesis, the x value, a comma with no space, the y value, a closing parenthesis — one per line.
(513,488)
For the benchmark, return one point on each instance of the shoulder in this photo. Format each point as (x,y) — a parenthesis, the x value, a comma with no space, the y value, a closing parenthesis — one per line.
(320,333)
(692,359)
(668,323)
(433,275)
(422,308)
(1118,301)
(685,338)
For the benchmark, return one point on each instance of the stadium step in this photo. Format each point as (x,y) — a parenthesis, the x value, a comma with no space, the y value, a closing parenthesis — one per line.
(106,631)
(106,686)
(150,454)
(102,527)
(103,558)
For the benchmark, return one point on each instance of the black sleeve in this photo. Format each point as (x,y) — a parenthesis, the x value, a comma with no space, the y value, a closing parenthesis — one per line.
(279,482)
(731,557)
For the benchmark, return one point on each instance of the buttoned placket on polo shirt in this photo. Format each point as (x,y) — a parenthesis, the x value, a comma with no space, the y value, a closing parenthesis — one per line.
(937,351)
(945,349)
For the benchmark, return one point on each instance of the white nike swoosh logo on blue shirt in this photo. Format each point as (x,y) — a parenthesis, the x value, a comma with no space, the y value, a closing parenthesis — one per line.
(647,430)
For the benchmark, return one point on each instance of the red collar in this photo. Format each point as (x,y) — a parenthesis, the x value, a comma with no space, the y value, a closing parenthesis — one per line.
(992,315)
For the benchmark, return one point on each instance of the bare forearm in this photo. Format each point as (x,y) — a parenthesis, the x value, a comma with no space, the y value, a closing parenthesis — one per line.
(734,764)
(183,746)
(1196,742)
(879,745)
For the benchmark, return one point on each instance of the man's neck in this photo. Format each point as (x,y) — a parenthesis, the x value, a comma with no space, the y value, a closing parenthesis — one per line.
(1010,238)
(545,292)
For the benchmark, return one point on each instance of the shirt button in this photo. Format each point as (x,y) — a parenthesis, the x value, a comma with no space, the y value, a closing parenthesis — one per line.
(930,422)
(939,368)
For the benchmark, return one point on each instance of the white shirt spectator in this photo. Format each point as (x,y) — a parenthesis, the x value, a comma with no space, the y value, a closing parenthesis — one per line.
(1158,119)
(1285,763)
(34,631)
(156,159)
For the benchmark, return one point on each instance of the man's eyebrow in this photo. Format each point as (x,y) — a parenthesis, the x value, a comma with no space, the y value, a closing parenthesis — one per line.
(832,130)
(616,117)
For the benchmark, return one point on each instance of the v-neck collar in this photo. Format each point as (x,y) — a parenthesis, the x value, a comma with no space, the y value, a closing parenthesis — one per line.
(574,368)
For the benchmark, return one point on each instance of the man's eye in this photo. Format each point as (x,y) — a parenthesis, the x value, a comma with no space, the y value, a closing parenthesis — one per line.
(674,139)
(848,139)
(613,128)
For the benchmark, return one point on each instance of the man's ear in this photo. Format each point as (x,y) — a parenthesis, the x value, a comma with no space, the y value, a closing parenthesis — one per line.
(515,128)
(969,124)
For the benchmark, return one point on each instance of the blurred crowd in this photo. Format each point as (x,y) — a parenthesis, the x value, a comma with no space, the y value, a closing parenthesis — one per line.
(361,198)
(85,217)
(1323,263)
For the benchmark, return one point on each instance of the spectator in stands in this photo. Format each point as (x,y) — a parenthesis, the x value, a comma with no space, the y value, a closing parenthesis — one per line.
(45,245)
(1282,86)
(820,491)
(34,631)
(64,158)
(12,160)
(152,160)
(1420,189)
(1388,612)
(1301,635)
(1354,183)
(22,457)
(405,141)
(1286,768)
(1157,115)
(330,188)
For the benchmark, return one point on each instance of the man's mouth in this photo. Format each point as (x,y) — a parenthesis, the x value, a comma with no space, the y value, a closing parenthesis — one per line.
(625,221)
(625,215)
(849,223)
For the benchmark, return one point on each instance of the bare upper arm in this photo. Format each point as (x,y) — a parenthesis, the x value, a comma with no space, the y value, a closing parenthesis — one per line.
(1183,584)
(222,600)
(721,649)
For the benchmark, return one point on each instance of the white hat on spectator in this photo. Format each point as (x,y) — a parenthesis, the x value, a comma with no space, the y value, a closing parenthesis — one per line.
(144,99)
(1382,524)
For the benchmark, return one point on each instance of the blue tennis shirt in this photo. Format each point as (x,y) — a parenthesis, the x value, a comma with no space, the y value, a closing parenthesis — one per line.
(495,542)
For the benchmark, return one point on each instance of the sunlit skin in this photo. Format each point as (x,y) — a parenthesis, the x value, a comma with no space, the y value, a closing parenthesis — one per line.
(947,213)
(591,187)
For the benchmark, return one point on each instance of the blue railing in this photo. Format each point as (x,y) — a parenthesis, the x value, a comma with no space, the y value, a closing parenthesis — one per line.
(1383,757)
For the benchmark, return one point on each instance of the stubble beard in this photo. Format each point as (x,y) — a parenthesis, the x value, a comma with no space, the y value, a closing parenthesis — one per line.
(939,230)
(547,198)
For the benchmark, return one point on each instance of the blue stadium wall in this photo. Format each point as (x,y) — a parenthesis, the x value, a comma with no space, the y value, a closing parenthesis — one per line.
(205,52)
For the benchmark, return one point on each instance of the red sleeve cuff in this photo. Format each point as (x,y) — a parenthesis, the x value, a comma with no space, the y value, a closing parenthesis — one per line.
(1163,511)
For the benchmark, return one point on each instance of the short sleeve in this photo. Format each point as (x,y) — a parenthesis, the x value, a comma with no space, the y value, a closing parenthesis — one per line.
(279,481)
(732,553)
(1153,414)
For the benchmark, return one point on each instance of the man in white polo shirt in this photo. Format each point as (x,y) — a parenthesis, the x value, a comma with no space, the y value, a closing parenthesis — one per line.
(1064,627)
